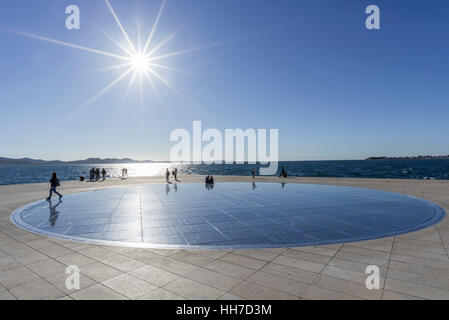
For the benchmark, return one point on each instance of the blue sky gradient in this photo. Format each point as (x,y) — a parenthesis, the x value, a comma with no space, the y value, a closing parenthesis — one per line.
(311,69)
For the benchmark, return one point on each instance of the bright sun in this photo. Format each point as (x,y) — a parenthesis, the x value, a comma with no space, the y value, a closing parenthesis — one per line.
(139,62)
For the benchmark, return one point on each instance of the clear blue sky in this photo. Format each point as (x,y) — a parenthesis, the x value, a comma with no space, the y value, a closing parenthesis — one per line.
(308,68)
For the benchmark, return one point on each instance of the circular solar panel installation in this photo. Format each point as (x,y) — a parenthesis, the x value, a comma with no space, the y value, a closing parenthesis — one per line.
(227,215)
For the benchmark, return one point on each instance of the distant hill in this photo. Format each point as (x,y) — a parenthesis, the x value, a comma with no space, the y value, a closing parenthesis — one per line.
(34,162)
(408,158)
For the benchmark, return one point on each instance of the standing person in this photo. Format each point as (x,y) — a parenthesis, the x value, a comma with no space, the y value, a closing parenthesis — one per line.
(253,172)
(54,183)
(103,173)
(167,176)
(126,173)
(175,174)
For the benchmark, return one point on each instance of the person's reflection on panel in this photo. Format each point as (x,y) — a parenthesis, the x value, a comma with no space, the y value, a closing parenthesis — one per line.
(175,187)
(254,186)
(283,185)
(167,188)
(53,213)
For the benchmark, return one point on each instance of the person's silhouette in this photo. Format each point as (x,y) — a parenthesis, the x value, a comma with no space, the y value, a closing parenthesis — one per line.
(54,215)
(167,189)
(254,186)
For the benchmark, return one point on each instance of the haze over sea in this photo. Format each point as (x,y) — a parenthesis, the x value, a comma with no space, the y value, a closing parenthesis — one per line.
(388,169)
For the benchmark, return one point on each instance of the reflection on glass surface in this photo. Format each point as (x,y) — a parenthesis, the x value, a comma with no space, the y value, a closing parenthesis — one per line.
(53,213)
(234,215)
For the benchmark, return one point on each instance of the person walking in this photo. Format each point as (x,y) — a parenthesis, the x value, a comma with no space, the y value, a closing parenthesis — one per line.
(175,174)
(103,174)
(167,176)
(54,183)
(283,173)
(253,172)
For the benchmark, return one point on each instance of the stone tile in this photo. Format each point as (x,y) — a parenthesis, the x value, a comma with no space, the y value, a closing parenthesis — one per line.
(97,292)
(436,249)
(55,251)
(230,269)
(391,295)
(243,261)
(426,280)
(259,254)
(174,266)
(31,257)
(318,250)
(366,252)
(18,276)
(99,271)
(143,256)
(373,246)
(253,291)
(416,290)
(228,296)
(40,243)
(420,261)
(278,283)
(154,275)
(164,252)
(416,268)
(162,294)
(5,295)
(421,254)
(59,281)
(308,256)
(368,260)
(299,264)
(7,263)
(48,267)
(350,275)
(192,258)
(97,253)
(354,266)
(214,254)
(38,290)
(75,259)
(122,263)
(290,272)
(193,290)
(129,286)
(347,287)
(214,279)
(318,293)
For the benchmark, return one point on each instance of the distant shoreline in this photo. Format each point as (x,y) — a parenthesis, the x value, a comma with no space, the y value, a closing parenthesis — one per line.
(409,158)
(111,161)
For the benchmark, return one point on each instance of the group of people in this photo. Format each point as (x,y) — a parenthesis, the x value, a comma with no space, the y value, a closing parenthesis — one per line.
(282,174)
(95,174)
(174,173)
(210,182)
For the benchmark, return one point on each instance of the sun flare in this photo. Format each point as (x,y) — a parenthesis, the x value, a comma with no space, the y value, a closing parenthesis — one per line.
(139,62)
(134,59)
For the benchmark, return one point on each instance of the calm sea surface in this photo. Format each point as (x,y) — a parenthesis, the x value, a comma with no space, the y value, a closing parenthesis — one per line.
(392,169)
